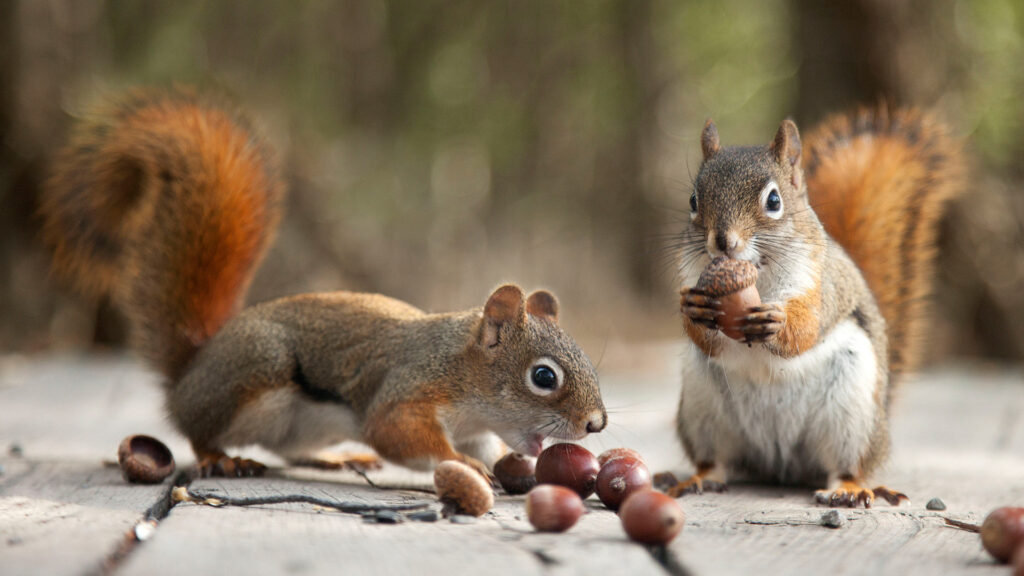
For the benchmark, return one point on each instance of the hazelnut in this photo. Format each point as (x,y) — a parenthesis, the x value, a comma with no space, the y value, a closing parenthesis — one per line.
(461,489)
(607,455)
(621,477)
(1002,532)
(144,459)
(651,517)
(733,283)
(552,508)
(515,472)
(568,465)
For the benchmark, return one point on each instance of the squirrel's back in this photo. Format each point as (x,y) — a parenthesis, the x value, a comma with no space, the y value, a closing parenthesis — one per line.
(879,180)
(165,201)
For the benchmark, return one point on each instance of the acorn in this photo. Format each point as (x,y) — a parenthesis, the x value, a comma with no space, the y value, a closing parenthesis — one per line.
(1002,532)
(461,489)
(515,473)
(613,453)
(569,465)
(552,508)
(732,283)
(144,459)
(650,517)
(619,478)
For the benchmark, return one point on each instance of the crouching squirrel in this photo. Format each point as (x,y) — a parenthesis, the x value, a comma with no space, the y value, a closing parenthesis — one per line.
(166,201)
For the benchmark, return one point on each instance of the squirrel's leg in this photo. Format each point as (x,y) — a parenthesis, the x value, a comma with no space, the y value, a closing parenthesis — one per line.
(704,424)
(214,462)
(409,433)
(485,447)
(847,433)
(358,461)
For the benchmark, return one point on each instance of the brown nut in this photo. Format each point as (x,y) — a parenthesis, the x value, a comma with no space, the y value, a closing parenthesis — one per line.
(515,472)
(607,455)
(619,478)
(733,283)
(144,459)
(1018,561)
(461,489)
(552,508)
(569,465)
(651,517)
(1002,532)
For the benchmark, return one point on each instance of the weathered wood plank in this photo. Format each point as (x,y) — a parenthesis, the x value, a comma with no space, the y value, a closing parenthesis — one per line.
(58,518)
(293,537)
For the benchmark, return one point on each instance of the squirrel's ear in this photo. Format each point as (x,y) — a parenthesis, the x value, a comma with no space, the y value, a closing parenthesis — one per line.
(709,139)
(543,304)
(506,304)
(786,146)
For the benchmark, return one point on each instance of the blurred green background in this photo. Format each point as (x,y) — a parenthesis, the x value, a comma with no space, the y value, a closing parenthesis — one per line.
(435,149)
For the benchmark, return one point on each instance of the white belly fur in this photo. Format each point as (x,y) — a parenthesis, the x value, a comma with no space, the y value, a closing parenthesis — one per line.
(789,419)
(288,423)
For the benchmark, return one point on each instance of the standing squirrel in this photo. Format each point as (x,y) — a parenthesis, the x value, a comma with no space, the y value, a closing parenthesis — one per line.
(845,248)
(167,203)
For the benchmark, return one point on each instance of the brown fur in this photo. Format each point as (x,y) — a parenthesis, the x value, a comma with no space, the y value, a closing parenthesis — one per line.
(105,210)
(879,181)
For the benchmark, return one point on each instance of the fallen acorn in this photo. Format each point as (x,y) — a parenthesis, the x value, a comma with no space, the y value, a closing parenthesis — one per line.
(552,508)
(515,473)
(462,490)
(1002,532)
(568,465)
(144,459)
(650,517)
(619,478)
(604,457)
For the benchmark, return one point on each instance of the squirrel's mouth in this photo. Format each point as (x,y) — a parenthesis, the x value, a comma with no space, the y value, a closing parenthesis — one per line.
(532,445)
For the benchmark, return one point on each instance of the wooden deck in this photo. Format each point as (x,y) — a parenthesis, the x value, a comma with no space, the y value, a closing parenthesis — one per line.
(958,436)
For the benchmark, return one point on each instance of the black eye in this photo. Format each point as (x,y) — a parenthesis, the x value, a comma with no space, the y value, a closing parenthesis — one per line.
(773,203)
(544,377)
(693,202)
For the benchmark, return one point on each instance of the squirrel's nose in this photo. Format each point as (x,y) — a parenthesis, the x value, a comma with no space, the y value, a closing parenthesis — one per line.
(597,422)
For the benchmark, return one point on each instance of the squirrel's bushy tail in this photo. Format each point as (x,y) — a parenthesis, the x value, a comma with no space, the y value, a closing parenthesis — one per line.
(165,202)
(879,181)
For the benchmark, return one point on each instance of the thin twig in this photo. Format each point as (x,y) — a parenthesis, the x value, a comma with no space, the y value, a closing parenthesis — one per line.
(183,494)
(962,525)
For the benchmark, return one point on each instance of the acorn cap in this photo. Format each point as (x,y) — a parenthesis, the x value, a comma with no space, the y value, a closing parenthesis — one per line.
(144,459)
(725,276)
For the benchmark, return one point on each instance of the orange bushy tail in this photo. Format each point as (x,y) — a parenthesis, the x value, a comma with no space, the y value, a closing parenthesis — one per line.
(167,203)
(879,182)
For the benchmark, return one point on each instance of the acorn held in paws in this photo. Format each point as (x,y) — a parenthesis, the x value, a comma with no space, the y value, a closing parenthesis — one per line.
(732,282)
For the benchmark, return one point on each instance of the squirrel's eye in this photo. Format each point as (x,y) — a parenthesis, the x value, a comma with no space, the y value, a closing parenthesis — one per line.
(772,201)
(693,202)
(544,376)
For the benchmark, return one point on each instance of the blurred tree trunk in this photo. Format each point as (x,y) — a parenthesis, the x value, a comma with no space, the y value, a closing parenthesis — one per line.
(639,86)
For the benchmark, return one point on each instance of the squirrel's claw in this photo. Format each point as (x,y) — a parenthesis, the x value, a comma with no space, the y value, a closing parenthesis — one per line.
(763,322)
(700,308)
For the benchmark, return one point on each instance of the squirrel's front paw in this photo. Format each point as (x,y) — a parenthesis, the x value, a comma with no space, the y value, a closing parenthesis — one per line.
(700,308)
(763,322)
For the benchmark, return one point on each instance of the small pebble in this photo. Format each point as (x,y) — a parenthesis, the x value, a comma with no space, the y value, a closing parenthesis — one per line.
(463,519)
(15,450)
(424,516)
(935,504)
(13,541)
(389,517)
(833,519)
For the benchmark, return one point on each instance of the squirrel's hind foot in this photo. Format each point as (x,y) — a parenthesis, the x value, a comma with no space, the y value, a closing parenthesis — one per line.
(851,493)
(705,480)
(222,465)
